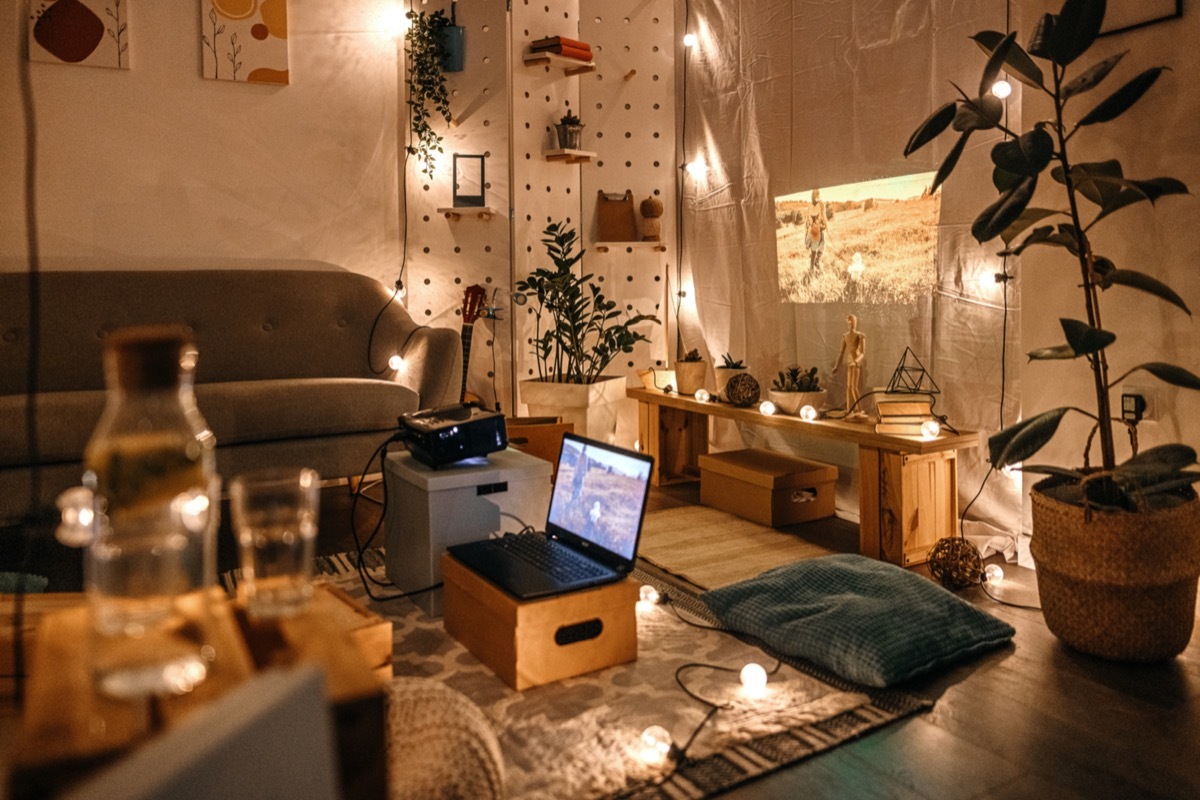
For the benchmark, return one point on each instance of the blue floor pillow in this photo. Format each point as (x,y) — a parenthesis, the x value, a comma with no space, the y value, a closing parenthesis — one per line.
(868,621)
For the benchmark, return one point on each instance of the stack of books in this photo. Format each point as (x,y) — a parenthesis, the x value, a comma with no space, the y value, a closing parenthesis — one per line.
(903,413)
(562,46)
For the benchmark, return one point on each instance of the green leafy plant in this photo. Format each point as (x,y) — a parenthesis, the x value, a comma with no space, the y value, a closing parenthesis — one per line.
(795,379)
(691,356)
(425,47)
(728,362)
(1091,191)
(584,330)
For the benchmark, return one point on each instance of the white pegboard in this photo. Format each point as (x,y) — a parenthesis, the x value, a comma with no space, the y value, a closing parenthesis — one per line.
(445,256)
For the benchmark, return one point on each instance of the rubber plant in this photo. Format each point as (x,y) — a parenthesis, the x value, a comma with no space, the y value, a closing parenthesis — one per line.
(425,49)
(1087,193)
(584,330)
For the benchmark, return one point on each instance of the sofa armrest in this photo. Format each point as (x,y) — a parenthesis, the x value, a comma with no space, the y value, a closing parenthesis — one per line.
(434,366)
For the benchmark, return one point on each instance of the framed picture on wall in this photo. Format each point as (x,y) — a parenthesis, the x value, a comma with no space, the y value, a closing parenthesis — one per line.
(1126,15)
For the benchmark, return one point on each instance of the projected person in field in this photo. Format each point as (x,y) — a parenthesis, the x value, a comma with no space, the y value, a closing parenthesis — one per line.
(852,354)
(816,223)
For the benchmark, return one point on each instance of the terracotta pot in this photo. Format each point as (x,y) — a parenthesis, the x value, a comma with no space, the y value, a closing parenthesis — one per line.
(1119,585)
(590,407)
(689,376)
(792,402)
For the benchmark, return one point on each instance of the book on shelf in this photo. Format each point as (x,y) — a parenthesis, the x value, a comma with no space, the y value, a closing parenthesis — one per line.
(551,41)
(899,428)
(905,419)
(910,405)
(564,51)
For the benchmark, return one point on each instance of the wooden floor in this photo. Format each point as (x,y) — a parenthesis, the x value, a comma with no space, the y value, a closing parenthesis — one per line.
(1034,720)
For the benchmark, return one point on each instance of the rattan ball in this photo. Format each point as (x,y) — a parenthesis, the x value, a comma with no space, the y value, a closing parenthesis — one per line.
(955,563)
(742,390)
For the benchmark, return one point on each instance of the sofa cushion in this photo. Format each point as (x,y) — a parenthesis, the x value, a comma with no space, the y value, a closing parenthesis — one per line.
(239,412)
(868,621)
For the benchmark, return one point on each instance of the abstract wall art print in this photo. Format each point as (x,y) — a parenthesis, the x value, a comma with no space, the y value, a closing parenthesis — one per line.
(245,40)
(91,33)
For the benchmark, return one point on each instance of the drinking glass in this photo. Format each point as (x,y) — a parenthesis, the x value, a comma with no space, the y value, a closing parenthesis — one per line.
(274,514)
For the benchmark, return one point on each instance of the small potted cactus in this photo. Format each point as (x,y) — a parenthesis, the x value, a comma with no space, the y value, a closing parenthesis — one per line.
(689,372)
(569,130)
(796,388)
(728,368)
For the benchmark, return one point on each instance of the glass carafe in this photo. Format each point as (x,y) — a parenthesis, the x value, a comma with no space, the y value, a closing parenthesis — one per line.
(151,466)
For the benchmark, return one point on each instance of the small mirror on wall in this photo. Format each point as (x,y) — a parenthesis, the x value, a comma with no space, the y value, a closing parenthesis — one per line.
(468,181)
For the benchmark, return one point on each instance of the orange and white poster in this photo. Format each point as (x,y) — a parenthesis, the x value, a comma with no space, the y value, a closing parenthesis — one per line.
(244,40)
(91,33)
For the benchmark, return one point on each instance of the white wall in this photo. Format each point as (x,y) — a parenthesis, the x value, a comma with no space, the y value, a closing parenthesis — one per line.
(157,165)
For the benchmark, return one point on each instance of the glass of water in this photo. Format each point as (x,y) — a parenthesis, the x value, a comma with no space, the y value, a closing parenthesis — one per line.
(274,514)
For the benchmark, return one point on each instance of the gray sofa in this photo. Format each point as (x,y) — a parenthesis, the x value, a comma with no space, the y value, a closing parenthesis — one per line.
(282,378)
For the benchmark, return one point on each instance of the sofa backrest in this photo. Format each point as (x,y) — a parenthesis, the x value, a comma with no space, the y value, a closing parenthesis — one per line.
(248,324)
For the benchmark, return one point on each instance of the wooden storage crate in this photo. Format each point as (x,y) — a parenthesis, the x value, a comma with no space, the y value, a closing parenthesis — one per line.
(530,643)
(766,486)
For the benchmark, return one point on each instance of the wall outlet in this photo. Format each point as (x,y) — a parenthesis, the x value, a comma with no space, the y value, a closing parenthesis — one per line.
(1149,395)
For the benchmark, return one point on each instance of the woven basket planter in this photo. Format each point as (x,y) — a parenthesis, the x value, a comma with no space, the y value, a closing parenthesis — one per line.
(1120,586)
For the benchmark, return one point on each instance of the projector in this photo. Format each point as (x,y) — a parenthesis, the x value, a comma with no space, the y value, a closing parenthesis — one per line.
(438,437)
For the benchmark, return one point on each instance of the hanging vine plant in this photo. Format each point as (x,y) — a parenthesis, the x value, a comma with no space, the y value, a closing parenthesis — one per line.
(425,47)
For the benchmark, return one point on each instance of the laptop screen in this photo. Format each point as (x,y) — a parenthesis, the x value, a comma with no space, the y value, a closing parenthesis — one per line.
(599,496)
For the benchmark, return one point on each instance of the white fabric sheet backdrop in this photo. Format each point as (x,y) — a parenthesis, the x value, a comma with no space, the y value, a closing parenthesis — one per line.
(788,95)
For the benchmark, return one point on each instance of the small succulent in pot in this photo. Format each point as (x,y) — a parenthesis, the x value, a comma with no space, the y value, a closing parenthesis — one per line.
(728,362)
(570,119)
(691,356)
(795,379)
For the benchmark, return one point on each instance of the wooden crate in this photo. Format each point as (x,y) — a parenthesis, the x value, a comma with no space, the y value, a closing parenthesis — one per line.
(525,643)
(768,487)
(913,503)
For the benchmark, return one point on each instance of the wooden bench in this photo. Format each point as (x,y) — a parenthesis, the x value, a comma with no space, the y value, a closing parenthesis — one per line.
(908,490)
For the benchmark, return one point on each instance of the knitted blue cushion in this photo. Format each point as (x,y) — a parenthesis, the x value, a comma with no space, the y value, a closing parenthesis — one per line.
(868,621)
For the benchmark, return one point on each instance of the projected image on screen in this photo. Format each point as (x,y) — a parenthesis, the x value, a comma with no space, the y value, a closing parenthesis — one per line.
(871,242)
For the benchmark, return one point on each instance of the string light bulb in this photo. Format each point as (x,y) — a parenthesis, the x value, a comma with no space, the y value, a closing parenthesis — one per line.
(808,413)
(648,594)
(702,395)
(754,679)
(656,744)
(1001,89)
(697,168)
(397,363)
(993,573)
(75,507)
(690,40)
(930,429)
(766,407)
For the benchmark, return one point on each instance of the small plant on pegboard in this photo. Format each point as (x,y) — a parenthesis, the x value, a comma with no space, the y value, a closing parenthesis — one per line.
(426,50)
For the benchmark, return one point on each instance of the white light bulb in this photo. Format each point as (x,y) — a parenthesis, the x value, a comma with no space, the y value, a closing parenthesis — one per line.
(656,744)
(754,679)
(1001,89)
(690,40)
(75,506)
(396,363)
(766,407)
(648,594)
(808,413)
(697,168)
(930,428)
(993,573)
(702,395)
(393,22)
(637,445)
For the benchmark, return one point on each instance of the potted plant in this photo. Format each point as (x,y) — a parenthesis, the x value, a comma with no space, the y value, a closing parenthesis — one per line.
(1116,545)
(425,46)
(728,368)
(689,372)
(795,388)
(569,131)
(577,334)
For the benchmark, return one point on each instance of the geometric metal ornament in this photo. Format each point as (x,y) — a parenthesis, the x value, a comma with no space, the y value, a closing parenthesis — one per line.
(911,376)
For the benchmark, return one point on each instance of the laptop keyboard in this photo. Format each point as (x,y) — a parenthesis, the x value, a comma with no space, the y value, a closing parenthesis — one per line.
(550,557)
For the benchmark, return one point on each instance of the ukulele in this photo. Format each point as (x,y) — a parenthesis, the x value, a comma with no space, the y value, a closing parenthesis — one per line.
(473,300)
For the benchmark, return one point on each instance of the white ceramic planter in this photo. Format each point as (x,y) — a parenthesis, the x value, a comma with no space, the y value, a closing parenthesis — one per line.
(590,407)
(690,376)
(792,402)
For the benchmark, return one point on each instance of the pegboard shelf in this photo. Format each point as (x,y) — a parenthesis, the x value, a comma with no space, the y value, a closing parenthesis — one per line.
(569,156)
(604,247)
(485,213)
(570,66)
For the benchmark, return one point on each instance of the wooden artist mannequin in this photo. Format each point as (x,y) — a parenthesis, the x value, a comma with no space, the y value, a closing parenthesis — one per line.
(854,350)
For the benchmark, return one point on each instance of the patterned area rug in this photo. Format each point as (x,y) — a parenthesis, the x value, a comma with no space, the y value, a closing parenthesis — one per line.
(580,737)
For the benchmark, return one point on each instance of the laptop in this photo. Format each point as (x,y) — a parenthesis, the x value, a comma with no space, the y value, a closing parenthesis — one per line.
(592,527)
